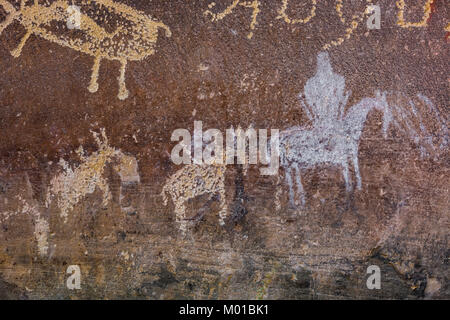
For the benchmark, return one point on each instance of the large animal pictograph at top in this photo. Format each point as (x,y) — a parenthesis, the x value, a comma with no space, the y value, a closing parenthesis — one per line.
(105,30)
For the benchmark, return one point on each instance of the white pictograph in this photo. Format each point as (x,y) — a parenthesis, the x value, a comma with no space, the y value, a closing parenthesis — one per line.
(334,135)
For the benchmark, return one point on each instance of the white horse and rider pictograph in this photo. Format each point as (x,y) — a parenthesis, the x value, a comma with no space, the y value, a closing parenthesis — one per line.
(333,138)
(133,39)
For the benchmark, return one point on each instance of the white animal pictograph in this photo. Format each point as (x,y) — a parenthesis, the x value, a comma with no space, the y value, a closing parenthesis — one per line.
(72,185)
(334,137)
(192,181)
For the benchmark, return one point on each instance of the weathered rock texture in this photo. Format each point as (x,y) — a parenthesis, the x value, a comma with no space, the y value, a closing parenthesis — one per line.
(86,117)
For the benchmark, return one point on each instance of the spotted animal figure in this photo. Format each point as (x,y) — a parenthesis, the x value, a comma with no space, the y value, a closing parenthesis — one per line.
(133,36)
(333,138)
(254,5)
(195,180)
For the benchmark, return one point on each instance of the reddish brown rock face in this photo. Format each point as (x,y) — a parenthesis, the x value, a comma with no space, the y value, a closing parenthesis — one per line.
(89,101)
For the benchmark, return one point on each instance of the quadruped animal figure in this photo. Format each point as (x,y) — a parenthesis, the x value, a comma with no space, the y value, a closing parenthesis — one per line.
(133,39)
(334,135)
(195,180)
(73,184)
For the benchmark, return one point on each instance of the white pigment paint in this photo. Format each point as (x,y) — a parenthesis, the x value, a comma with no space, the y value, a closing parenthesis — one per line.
(72,185)
(333,139)
(192,181)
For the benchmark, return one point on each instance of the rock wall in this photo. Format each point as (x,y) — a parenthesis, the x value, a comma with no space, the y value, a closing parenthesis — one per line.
(91,92)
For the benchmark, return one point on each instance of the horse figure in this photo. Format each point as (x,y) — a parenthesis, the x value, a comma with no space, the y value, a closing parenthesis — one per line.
(194,180)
